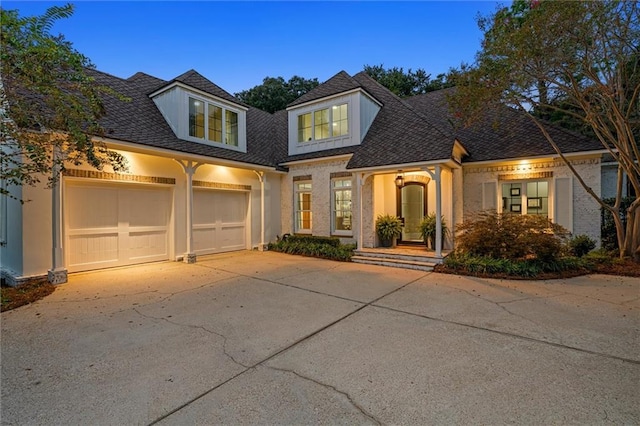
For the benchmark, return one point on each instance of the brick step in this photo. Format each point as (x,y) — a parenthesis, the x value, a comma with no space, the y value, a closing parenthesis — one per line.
(395,262)
(398,256)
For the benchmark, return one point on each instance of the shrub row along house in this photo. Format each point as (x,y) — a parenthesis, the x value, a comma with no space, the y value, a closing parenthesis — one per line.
(209,174)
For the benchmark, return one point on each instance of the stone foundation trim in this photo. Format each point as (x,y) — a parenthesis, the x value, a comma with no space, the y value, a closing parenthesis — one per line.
(531,175)
(57,276)
(93,174)
(13,279)
(220,185)
(300,178)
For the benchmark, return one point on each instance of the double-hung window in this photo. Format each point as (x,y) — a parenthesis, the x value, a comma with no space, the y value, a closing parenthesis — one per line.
(324,123)
(341,216)
(221,123)
(302,203)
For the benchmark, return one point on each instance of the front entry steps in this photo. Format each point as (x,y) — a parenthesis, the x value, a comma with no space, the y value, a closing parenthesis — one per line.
(406,258)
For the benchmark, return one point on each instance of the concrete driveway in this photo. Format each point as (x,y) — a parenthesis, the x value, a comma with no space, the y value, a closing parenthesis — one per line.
(266,338)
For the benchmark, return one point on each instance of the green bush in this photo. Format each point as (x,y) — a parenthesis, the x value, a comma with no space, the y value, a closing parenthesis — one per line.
(511,236)
(525,268)
(580,245)
(322,247)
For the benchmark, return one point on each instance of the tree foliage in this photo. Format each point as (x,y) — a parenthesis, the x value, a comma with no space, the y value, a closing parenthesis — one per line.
(409,83)
(50,107)
(575,61)
(274,94)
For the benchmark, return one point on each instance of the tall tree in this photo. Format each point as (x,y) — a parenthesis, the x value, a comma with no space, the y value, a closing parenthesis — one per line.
(274,94)
(409,83)
(572,59)
(50,107)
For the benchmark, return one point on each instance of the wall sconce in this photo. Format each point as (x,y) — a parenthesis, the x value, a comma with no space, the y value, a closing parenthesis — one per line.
(400,180)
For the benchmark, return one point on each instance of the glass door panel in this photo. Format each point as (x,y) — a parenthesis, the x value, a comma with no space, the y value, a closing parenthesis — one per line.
(412,209)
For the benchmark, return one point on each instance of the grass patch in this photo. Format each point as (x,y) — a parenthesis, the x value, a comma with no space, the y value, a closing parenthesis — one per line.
(14,297)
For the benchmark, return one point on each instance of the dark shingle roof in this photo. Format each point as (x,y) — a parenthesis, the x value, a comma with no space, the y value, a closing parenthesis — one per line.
(339,83)
(398,134)
(138,120)
(413,130)
(500,134)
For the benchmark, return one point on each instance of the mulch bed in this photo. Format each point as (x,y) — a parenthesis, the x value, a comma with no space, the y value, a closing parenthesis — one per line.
(13,297)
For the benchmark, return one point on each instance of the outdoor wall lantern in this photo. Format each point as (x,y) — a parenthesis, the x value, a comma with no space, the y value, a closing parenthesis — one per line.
(400,179)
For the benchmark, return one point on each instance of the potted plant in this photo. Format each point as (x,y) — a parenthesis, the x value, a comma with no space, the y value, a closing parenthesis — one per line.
(428,229)
(388,228)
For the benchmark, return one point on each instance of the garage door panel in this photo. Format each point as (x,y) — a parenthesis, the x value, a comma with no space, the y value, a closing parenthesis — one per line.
(87,249)
(219,221)
(114,225)
(91,207)
(232,237)
(147,208)
(151,245)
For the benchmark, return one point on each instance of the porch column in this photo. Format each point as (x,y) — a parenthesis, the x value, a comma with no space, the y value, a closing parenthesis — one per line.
(190,168)
(58,273)
(360,185)
(438,180)
(262,179)
(436,175)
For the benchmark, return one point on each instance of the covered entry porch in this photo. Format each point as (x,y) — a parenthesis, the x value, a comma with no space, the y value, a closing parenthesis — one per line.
(410,193)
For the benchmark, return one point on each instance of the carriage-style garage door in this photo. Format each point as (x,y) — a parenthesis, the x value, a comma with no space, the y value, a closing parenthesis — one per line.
(113,225)
(219,220)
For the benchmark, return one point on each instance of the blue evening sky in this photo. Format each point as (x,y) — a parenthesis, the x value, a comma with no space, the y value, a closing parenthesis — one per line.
(237,44)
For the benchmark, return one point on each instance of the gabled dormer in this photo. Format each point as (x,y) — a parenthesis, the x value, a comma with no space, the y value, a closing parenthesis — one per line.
(336,114)
(199,111)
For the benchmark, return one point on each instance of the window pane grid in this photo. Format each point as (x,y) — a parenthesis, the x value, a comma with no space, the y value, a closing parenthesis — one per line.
(196,118)
(215,123)
(303,215)
(341,205)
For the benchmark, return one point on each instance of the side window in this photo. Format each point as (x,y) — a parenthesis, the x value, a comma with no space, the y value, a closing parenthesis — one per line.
(341,215)
(302,203)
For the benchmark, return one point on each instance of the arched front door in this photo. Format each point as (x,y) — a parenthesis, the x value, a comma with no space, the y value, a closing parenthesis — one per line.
(412,207)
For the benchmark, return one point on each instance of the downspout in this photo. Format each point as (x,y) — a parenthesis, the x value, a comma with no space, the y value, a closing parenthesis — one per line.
(262,179)
(57,274)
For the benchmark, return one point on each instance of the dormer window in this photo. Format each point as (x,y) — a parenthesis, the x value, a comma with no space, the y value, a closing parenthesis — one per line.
(220,122)
(323,123)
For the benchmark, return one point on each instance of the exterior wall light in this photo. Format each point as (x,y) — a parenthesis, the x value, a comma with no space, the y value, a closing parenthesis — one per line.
(400,180)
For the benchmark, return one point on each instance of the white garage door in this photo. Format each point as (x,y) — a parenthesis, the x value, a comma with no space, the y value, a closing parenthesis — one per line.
(115,225)
(219,221)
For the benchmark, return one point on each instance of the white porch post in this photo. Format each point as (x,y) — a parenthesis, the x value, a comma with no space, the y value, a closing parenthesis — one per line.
(436,175)
(360,185)
(438,180)
(58,273)
(189,169)
(262,179)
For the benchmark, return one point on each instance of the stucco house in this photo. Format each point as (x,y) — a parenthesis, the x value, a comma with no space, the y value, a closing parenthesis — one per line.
(209,174)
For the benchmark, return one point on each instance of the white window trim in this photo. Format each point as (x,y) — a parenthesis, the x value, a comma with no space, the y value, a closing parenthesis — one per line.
(334,189)
(313,123)
(242,143)
(295,207)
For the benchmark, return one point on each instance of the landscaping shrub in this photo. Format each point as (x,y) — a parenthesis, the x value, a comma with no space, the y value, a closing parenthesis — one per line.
(322,247)
(580,245)
(525,268)
(511,236)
